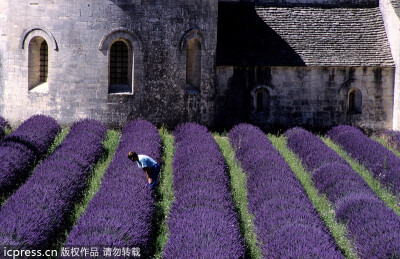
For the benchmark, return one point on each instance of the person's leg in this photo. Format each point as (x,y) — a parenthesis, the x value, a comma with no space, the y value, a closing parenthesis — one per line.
(155,175)
(155,172)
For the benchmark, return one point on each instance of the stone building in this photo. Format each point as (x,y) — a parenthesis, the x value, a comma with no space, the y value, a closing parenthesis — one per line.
(275,63)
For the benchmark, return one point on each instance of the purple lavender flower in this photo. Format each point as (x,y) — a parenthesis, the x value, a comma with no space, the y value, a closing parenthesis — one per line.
(203,222)
(122,212)
(37,133)
(36,213)
(286,222)
(379,160)
(372,226)
(393,137)
(21,149)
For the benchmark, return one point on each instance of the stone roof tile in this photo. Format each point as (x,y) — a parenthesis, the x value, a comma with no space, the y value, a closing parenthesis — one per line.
(302,36)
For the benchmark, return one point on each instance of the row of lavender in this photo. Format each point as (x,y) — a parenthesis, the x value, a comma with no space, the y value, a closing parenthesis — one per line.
(37,212)
(376,158)
(122,212)
(203,222)
(372,226)
(286,222)
(20,150)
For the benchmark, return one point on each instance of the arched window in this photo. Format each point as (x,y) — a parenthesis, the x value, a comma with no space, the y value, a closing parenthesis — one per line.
(193,64)
(38,65)
(262,101)
(120,74)
(354,101)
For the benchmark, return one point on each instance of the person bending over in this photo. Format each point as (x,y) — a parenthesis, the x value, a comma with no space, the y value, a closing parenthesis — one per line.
(149,166)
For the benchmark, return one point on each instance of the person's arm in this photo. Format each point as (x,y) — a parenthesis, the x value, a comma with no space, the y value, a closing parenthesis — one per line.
(147,171)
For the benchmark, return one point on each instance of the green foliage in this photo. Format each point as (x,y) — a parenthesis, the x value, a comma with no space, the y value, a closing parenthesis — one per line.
(94,182)
(7,130)
(58,140)
(381,191)
(239,194)
(321,204)
(165,193)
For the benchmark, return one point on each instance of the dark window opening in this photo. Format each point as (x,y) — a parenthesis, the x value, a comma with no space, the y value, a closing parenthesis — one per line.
(352,99)
(259,101)
(262,101)
(355,101)
(119,63)
(193,64)
(44,59)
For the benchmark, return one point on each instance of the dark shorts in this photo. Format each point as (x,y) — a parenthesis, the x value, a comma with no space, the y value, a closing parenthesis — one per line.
(154,176)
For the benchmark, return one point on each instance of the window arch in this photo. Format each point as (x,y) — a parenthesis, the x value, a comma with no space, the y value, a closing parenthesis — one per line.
(193,64)
(354,101)
(125,60)
(192,47)
(38,62)
(262,102)
(120,68)
(40,46)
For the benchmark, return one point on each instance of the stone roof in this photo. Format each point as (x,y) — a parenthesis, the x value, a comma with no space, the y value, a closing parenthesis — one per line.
(301,36)
(396,6)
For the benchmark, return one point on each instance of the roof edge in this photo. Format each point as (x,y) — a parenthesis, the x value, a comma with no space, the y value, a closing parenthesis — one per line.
(316,3)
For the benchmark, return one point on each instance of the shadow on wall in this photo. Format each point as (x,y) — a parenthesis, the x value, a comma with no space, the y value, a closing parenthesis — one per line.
(248,45)
(244,39)
(122,3)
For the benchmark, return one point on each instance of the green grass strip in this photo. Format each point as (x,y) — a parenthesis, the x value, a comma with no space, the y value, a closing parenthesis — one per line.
(239,194)
(381,191)
(94,183)
(7,130)
(58,140)
(323,206)
(165,193)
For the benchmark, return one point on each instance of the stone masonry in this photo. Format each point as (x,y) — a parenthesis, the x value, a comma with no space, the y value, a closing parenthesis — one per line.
(78,69)
(274,63)
(309,59)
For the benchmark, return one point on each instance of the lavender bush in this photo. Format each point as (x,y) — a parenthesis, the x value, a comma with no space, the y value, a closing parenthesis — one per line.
(286,222)
(37,133)
(36,213)
(122,211)
(384,165)
(21,149)
(393,137)
(203,222)
(373,227)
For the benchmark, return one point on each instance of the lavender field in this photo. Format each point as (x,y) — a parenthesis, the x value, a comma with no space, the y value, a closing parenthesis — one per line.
(246,194)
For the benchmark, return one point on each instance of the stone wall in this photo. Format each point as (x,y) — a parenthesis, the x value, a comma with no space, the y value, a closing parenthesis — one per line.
(79,34)
(78,68)
(312,97)
(392,26)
